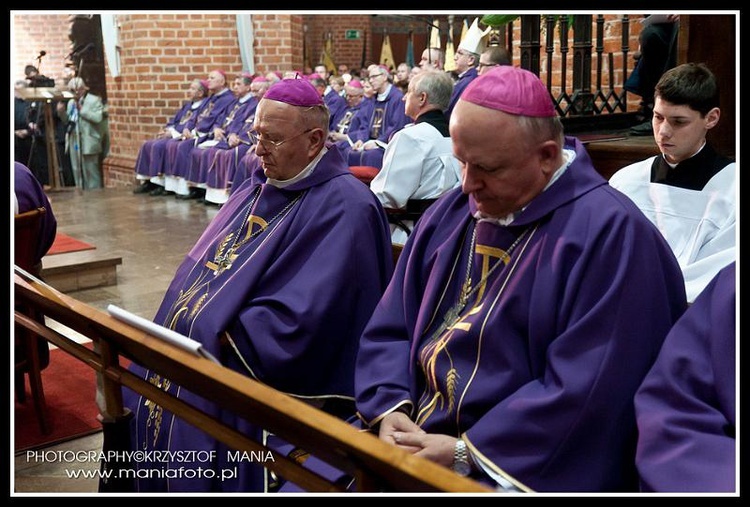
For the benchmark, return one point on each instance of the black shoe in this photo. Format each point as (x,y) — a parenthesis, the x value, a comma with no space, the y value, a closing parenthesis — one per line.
(644,129)
(158,191)
(144,188)
(645,112)
(193,194)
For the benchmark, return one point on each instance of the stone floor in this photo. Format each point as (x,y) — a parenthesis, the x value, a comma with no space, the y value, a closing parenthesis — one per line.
(151,235)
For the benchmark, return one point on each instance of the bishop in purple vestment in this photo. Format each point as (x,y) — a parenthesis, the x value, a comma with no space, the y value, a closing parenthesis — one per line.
(279,286)
(525,309)
(386,118)
(177,162)
(239,119)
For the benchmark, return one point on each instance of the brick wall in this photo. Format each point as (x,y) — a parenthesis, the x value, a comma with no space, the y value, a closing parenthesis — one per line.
(33,33)
(343,50)
(161,54)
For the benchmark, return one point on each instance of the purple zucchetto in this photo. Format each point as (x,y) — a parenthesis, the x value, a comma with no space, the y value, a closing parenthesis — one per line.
(296,92)
(512,90)
(355,83)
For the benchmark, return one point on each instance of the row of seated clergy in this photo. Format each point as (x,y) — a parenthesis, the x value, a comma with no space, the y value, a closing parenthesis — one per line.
(177,167)
(355,117)
(150,161)
(171,153)
(220,170)
(387,118)
(214,161)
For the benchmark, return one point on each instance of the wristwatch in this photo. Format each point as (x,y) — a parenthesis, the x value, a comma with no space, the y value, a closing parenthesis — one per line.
(461,463)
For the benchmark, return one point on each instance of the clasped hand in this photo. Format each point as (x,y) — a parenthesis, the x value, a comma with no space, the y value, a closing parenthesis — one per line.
(396,428)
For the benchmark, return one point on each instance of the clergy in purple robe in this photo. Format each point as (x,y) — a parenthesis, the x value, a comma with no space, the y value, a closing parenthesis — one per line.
(239,118)
(353,118)
(686,405)
(525,309)
(463,81)
(466,61)
(387,118)
(279,287)
(177,162)
(246,166)
(220,172)
(29,195)
(151,154)
(335,102)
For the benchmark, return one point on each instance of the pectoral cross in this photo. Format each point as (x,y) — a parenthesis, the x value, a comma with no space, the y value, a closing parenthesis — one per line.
(222,262)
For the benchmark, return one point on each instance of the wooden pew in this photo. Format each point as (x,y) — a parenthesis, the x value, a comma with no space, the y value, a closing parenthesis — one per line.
(376,465)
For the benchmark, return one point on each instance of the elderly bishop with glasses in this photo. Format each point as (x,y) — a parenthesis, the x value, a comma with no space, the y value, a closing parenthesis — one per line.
(279,287)
(467,61)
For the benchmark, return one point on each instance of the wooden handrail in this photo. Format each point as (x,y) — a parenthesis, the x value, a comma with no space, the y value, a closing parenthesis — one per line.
(377,465)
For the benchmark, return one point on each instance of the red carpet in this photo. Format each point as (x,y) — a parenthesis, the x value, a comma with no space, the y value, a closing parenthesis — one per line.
(65,244)
(69,390)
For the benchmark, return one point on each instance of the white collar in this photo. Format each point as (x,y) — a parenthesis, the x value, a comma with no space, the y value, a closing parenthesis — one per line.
(307,171)
(382,96)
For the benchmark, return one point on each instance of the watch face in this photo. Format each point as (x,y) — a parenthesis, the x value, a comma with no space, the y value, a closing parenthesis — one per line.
(462,468)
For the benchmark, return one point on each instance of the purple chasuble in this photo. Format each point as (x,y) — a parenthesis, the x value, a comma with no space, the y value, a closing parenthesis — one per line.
(215,166)
(686,405)
(178,158)
(30,195)
(538,371)
(387,117)
(458,88)
(352,122)
(151,154)
(335,104)
(260,292)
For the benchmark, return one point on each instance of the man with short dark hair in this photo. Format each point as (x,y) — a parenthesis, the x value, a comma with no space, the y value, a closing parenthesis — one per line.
(492,57)
(689,191)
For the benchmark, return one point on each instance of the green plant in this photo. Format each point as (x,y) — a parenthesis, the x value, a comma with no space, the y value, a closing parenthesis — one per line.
(498,20)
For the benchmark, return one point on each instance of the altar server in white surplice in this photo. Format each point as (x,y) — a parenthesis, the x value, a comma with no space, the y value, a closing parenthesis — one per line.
(419,163)
(689,191)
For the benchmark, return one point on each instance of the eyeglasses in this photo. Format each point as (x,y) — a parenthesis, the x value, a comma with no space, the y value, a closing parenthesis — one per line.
(371,76)
(482,64)
(256,138)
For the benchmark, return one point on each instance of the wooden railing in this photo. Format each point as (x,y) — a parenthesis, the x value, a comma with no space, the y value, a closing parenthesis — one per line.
(595,99)
(375,465)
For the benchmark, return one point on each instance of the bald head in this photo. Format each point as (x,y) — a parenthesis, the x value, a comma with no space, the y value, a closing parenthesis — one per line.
(432,58)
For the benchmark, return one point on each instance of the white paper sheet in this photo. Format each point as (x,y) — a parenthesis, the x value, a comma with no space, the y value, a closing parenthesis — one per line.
(162,332)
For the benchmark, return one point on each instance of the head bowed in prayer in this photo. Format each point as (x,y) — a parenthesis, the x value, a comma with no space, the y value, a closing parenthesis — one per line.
(291,125)
(508,138)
